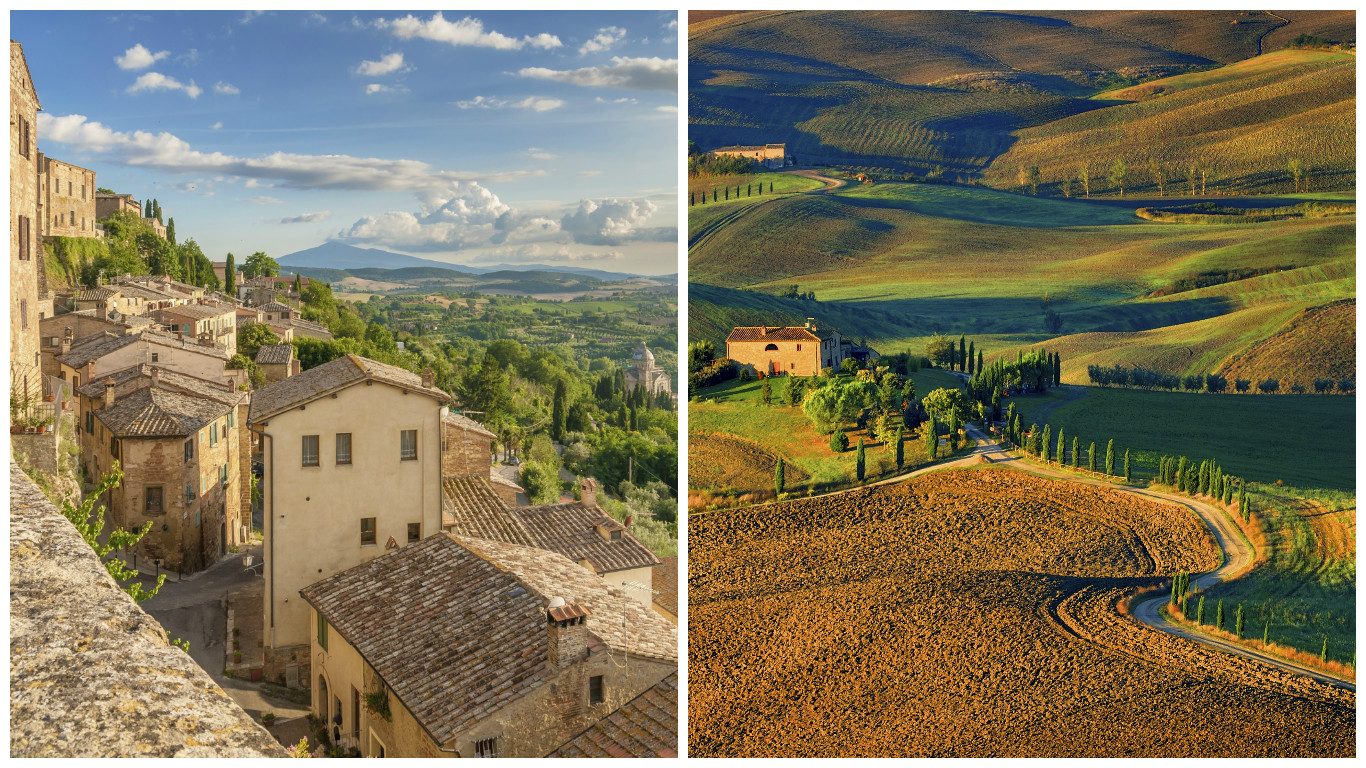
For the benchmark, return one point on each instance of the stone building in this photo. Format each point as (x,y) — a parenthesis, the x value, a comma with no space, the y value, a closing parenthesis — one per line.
(58,333)
(351,452)
(202,320)
(464,647)
(107,204)
(579,530)
(467,451)
(179,442)
(66,199)
(768,155)
(665,582)
(796,351)
(110,301)
(643,372)
(646,726)
(95,356)
(277,361)
(26,279)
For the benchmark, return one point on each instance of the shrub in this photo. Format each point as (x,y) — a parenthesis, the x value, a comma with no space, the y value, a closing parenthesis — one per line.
(1242,385)
(839,442)
(1269,385)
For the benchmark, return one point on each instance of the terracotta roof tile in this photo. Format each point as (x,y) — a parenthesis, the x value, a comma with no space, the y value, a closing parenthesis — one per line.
(275,354)
(98,345)
(96,294)
(646,726)
(665,584)
(466,423)
(330,377)
(160,413)
(794,333)
(169,380)
(456,626)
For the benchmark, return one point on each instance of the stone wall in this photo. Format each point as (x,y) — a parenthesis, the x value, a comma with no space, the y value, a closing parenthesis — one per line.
(25,254)
(91,674)
(66,199)
(40,448)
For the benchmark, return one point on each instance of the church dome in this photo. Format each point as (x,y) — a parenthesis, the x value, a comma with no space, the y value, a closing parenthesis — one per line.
(643,353)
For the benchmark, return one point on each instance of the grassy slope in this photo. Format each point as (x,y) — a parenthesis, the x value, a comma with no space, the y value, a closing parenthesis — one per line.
(1246,121)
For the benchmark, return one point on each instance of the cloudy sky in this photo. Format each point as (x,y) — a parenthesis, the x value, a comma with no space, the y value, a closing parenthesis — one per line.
(474,138)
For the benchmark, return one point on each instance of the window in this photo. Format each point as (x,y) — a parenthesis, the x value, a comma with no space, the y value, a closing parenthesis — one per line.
(232,420)
(213,434)
(408,445)
(189,450)
(367,531)
(152,500)
(414,532)
(23,313)
(310,450)
(90,422)
(771,348)
(322,631)
(156,357)
(189,492)
(343,447)
(595,689)
(23,137)
(486,747)
(799,347)
(223,475)
(24,254)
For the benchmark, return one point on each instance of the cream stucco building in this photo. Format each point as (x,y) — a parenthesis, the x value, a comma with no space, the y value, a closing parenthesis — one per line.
(352,469)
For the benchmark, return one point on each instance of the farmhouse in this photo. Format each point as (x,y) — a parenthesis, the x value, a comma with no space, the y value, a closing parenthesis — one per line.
(795,350)
(767,155)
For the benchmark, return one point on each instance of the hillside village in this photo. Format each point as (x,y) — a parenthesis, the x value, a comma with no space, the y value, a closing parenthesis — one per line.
(390,571)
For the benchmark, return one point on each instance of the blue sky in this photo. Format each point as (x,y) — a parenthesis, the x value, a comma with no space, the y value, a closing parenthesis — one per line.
(469,137)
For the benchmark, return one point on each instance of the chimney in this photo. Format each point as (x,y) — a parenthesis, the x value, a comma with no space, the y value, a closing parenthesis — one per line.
(809,322)
(429,378)
(68,333)
(588,492)
(108,393)
(763,330)
(567,634)
(156,376)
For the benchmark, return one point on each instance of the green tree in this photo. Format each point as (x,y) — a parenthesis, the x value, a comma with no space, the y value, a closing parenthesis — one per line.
(89,522)
(940,350)
(963,352)
(972,354)
(1119,173)
(1219,614)
(1062,446)
(541,482)
(1266,632)
(1243,508)
(250,339)
(559,410)
(1323,654)
(1033,446)
(1091,457)
(170,230)
(839,442)
(778,479)
(156,209)
(1076,453)
(1034,178)
(1200,611)
(1110,458)
(1128,476)
(766,391)
(260,265)
(230,277)
(945,403)
(930,436)
(900,447)
(859,460)
(147,209)
(1296,168)
(1045,443)
(484,388)
(1084,175)
(1238,621)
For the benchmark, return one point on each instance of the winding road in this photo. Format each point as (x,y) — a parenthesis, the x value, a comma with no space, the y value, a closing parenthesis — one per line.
(1238,553)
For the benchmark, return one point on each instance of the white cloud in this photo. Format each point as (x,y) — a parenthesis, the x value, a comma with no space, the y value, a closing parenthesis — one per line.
(188,58)
(226,88)
(622,100)
(167,152)
(391,62)
(154,81)
(541,154)
(262,200)
(463,215)
(534,103)
(315,18)
(306,218)
(467,31)
(668,108)
(673,23)
(376,88)
(217,125)
(538,104)
(589,173)
(635,74)
(607,222)
(606,38)
(249,16)
(138,57)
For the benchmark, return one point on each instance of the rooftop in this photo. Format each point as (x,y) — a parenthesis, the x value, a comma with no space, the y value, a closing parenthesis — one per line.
(166,379)
(97,345)
(275,354)
(469,425)
(456,627)
(664,580)
(101,293)
(157,412)
(646,726)
(470,507)
(198,311)
(774,333)
(331,377)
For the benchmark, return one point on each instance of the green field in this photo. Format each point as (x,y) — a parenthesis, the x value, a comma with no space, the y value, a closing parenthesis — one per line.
(1306,441)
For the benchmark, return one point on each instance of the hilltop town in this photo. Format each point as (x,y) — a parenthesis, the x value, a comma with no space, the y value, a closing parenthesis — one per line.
(250,518)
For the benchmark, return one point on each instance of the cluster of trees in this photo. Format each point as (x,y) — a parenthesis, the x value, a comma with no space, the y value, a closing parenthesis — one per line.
(833,401)
(702,165)
(963,356)
(1040,442)
(705,368)
(694,198)
(1135,376)
(1193,175)
(1206,479)
(131,247)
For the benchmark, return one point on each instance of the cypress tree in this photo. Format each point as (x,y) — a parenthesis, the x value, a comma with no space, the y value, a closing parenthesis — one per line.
(1219,614)
(1128,476)
(559,411)
(1180,475)
(1062,446)
(1076,453)
(1046,443)
(1200,611)
(1033,439)
(932,438)
(1110,458)
(1202,483)
(1238,621)
(1242,501)
(1323,654)
(1266,632)
(963,352)
(1091,457)
(766,392)
(230,277)
(147,210)
(1175,579)
(900,447)
(858,460)
(778,479)
(1018,429)
(1010,420)
(972,353)
(1228,490)
(979,361)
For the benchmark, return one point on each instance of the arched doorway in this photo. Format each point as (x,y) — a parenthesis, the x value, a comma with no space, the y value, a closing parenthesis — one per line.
(323,699)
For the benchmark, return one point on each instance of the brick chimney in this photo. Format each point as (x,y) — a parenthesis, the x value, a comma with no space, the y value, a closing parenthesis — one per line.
(809,322)
(68,333)
(567,634)
(763,330)
(429,378)
(156,376)
(108,393)
(588,492)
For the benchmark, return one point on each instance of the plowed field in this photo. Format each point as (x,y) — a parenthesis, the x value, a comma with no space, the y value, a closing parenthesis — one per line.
(970,613)
(724,461)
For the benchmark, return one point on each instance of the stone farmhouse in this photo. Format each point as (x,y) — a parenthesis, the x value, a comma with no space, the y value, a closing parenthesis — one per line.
(183,451)
(646,726)
(579,530)
(770,156)
(477,648)
(795,351)
(108,203)
(66,199)
(95,356)
(351,452)
(277,361)
(643,372)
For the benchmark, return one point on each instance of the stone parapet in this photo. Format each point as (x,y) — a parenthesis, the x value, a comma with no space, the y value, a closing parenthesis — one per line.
(91,674)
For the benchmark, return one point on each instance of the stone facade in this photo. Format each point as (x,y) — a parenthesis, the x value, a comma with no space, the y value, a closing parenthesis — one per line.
(66,199)
(91,674)
(466,447)
(643,372)
(767,155)
(795,351)
(26,258)
(107,205)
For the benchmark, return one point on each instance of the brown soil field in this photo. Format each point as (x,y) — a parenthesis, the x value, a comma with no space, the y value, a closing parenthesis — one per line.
(718,461)
(1317,343)
(971,613)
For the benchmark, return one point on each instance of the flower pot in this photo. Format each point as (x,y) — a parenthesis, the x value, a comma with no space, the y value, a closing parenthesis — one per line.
(42,428)
(49,398)
(236,657)
(15,429)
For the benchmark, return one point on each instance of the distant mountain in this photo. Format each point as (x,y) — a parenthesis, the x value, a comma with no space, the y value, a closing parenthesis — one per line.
(334,255)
